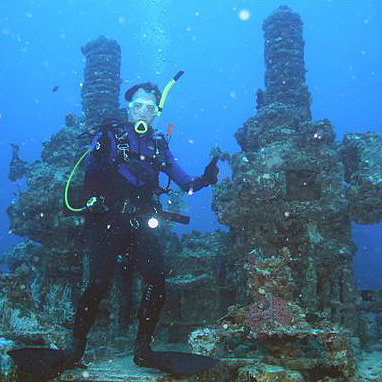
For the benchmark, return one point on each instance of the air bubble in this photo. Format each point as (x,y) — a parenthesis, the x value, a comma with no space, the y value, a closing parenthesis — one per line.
(244,15)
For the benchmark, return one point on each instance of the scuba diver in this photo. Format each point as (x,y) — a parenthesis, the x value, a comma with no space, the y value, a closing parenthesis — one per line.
(122,211)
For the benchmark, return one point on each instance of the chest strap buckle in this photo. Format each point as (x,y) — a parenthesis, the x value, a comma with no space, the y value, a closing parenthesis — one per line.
(125,148)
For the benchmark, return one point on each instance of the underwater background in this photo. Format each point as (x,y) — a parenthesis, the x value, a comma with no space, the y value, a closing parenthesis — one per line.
(219,45)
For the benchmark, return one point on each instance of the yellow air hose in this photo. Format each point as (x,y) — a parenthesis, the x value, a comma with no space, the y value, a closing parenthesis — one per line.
(68,206)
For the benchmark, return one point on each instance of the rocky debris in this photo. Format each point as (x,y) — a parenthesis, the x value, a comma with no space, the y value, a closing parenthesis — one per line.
(18,167)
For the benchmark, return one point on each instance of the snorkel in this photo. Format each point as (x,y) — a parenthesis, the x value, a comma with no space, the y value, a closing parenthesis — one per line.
(166,90)
(140,127)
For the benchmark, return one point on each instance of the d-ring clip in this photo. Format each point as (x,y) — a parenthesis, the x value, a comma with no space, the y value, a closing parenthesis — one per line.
(134,223)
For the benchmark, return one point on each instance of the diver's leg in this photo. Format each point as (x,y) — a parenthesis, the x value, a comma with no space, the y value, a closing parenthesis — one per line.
(149,262)
(106,243)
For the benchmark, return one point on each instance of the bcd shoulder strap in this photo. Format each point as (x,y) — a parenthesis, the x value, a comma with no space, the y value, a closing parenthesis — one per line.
(161,148)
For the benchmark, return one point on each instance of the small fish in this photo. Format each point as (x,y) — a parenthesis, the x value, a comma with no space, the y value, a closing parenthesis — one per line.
(55,88)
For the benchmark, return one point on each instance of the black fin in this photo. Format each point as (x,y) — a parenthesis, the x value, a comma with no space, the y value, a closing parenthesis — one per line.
(40,364)
(178,364)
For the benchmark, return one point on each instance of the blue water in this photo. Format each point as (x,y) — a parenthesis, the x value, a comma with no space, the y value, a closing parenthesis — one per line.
(222,56)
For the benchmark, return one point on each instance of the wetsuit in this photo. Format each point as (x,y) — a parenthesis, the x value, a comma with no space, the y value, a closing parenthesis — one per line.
(123,168)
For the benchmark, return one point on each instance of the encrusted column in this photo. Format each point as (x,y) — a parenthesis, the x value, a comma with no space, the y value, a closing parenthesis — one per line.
(362,157)
(100,91)
(287,208)
(284,62)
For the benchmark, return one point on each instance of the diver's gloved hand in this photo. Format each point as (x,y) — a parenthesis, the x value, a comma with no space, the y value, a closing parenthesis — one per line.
(96,205)
(211,172)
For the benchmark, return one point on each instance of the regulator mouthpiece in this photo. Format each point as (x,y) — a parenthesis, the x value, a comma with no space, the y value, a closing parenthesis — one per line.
(141,127)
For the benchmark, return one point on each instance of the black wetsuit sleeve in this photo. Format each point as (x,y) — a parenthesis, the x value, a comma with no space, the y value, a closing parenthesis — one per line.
(180,177)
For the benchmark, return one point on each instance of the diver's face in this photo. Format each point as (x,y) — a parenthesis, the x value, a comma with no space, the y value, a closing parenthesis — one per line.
(142,107)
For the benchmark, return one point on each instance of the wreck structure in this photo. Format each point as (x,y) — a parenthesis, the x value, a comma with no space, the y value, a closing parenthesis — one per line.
(293,195)
(102,80)
(282,304)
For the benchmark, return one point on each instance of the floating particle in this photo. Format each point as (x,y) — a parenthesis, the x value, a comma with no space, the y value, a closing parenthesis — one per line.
(196,13)
(62,35)
(190,141)
(121,19)
(85,374)
(244,15)
(366,21)
(232,94)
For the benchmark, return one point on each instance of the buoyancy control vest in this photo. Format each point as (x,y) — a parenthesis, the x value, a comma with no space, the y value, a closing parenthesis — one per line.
(140,156)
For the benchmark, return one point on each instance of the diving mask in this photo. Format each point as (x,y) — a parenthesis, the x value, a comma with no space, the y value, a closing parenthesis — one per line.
(144,107)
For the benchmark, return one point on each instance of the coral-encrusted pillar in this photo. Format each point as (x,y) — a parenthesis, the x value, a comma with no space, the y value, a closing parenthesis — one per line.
(287,200)
(288,213)
(100,91)
(284,62)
